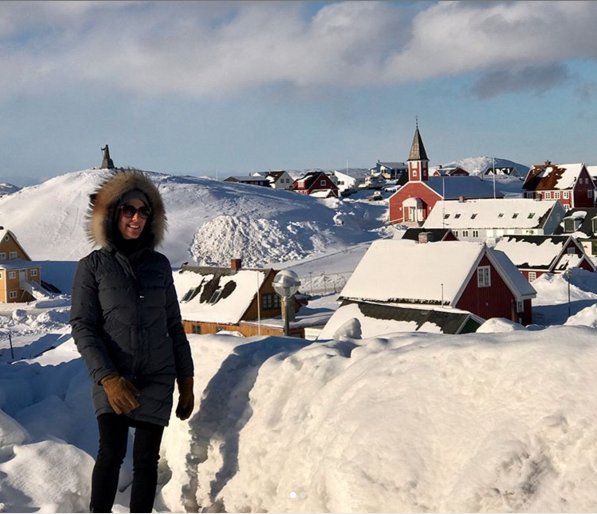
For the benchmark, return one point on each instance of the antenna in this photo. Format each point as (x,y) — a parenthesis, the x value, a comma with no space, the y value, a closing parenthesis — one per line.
(493,160)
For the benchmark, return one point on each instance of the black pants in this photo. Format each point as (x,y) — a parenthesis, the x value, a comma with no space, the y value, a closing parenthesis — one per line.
(113,435)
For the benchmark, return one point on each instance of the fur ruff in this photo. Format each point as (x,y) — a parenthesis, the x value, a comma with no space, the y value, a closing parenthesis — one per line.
(107,197)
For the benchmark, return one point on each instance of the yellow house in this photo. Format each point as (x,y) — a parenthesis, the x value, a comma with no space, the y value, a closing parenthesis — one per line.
(19,276)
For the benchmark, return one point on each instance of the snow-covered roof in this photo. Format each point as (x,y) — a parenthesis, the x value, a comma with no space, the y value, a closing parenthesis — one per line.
(568,178)
(401,271)
(549,176)
(452,188)
(490,213)
(382,319)
(532,251)
(19,264)
(592,171)
(237,291)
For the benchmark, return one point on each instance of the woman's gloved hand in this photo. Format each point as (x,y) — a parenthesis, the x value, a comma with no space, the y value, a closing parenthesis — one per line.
(186,398)
(121,393)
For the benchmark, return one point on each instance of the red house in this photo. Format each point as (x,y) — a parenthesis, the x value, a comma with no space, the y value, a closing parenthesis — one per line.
(316,183)
(450,277)
(569,184)
(537,255)
(412,203)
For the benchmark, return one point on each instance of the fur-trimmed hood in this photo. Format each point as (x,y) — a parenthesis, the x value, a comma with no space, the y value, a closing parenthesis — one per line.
(106,199)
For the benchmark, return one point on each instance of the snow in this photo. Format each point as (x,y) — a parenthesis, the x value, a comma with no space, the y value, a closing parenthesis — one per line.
(500,420)
(227,309)
(569,176)
(489,213)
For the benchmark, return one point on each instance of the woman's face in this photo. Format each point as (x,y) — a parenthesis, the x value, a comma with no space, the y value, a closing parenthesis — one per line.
(131,218)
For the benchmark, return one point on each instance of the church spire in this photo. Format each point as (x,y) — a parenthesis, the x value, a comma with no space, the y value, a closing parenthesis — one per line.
(418,162)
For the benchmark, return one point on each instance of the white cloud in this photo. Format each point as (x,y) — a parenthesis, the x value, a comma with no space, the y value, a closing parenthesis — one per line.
(214,48)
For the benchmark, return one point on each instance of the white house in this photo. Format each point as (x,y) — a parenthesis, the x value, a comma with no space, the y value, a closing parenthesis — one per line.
(349,179)
(487,219)
(278,179)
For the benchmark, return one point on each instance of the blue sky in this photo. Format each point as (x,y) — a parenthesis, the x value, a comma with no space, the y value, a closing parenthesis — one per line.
(221,88)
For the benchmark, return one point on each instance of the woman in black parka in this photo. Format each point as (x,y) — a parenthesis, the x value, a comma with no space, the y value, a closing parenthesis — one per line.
(126,324)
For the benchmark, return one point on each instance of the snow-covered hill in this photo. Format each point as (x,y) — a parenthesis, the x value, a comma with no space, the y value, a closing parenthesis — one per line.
(479,165)
(210,222)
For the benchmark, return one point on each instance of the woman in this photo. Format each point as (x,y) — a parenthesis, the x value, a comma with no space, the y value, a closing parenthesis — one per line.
(126,324)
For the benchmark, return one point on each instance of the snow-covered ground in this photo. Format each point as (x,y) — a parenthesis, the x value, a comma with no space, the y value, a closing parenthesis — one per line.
(501,420)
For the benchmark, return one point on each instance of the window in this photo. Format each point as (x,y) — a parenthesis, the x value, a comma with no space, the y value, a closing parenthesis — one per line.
(589,193)
(196,329)
(475,233)
(515,215)
(532,276)
(12,255)
(501,215)
(457,215)
(215,296)
(483,276)
(547,195)
(12,295)
(270,301)
(473,215)
(557,195)
(531,215)
(519,306)
(12,275)
(0,274)
(465,233)
(322,182)
(566,195)
(34,272)
(594,224)
(446,216)
(2,256)
(571,250)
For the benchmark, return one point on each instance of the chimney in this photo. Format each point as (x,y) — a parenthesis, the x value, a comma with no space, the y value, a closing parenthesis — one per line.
(235,264)
(425,237)
(461,199)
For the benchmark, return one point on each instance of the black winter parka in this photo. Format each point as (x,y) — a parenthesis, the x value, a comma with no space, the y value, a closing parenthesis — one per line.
(125,315)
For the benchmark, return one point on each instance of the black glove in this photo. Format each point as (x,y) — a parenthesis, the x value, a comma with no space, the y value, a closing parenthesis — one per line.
(186,398)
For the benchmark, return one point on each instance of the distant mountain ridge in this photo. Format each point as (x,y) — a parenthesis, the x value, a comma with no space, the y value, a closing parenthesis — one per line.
(7,189)
(479,165)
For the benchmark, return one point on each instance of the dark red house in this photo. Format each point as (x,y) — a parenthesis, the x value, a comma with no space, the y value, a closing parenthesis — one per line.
(569,184)
(537,255)
(316,183)
(412,203)
(448,276)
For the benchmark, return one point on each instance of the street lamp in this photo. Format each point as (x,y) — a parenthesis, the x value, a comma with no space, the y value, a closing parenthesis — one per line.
(286,284)
(567,275)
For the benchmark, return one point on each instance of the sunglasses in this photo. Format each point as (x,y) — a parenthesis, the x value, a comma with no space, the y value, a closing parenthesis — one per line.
(128,211)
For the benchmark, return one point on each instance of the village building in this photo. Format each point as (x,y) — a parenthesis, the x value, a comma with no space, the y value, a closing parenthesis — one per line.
(413,202)
(569,184)
(316,183)
(582,224)
(235,299)
(449,171)
(253,180)
(389,170)
(423,235)
(279,179)
(537,255)
(488,219)
(447,286)
(20,277)
(349,179)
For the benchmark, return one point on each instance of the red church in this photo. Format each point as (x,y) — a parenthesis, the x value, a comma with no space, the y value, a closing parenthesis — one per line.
(413,202)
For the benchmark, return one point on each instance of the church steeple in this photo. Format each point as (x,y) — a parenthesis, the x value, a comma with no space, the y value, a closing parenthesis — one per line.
(418,163)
